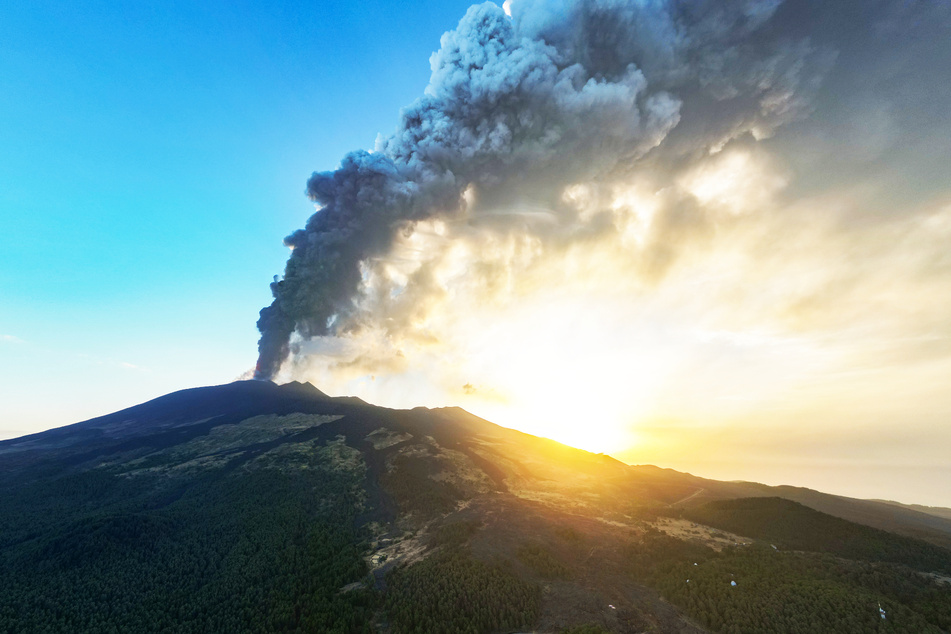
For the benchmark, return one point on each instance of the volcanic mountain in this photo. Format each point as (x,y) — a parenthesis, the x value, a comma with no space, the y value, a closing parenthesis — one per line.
(256,507)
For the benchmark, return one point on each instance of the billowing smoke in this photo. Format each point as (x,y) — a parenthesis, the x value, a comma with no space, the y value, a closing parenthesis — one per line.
(518,108)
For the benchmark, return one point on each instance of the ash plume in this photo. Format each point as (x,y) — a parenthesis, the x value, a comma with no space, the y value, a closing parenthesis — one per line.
(520,106)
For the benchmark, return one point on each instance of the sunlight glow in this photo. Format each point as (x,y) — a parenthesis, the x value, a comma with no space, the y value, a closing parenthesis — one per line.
(580,389)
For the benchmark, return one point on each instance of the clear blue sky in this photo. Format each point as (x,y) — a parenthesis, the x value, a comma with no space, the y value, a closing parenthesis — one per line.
(152,157)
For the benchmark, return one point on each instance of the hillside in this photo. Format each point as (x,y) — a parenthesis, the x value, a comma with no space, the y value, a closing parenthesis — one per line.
(793,526)
(909,520)
(257,507)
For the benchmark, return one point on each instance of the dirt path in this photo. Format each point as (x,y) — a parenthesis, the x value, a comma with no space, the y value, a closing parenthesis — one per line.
(688,498)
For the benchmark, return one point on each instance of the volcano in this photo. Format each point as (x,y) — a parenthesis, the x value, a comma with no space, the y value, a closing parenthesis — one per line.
(260,507)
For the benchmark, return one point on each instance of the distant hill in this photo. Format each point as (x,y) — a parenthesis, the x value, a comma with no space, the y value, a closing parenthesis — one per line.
(937,511)
(255,507)
(793,526)
(905,520)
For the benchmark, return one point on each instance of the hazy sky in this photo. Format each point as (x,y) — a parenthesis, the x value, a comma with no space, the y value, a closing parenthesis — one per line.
(738,264)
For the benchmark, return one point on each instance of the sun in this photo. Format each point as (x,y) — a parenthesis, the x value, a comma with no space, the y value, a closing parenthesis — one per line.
(584,387)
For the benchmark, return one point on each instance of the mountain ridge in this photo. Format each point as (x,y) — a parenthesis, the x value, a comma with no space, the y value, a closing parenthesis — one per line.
(185,408)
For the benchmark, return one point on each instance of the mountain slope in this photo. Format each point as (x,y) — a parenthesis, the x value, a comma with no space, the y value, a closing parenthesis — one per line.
(257,507)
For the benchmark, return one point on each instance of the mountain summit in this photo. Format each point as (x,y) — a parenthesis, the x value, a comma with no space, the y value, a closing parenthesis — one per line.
(259,507)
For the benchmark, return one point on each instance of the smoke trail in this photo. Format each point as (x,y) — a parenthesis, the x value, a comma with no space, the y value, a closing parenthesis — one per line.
(562,91)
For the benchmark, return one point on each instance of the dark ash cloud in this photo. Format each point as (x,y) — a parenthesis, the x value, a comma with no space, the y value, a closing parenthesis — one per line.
(518,108)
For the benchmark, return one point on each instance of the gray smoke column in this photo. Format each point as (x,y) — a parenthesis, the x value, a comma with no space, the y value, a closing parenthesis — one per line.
(518,107)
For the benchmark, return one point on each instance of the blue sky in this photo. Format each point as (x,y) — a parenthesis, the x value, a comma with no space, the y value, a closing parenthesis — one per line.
(152,158)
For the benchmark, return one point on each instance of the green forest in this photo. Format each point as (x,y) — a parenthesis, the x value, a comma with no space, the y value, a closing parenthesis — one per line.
(758,589)
(229,550)
(453,593)
(246,547)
